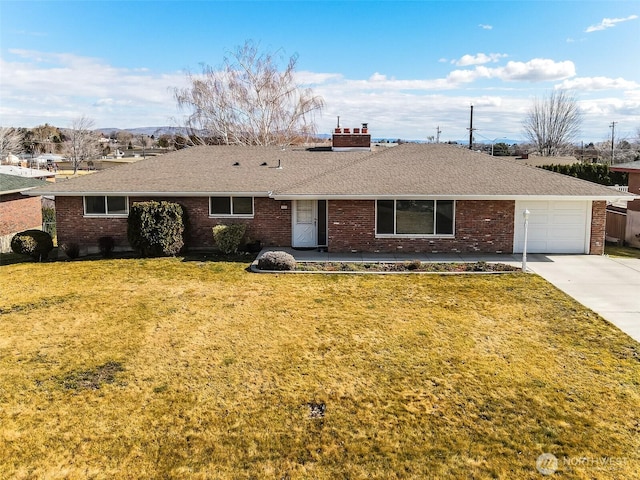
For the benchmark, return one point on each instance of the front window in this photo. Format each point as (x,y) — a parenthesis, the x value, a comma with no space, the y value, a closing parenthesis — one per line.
(414,217)
(231,206)
(106,205)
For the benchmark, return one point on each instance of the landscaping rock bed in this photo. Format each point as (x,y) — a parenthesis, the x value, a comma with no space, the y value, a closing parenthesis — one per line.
(412,266)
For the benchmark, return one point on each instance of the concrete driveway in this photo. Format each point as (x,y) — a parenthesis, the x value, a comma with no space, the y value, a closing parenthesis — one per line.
(608,286)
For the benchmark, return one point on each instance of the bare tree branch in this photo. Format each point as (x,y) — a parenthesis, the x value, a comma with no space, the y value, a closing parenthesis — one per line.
(82,142)
(553,122)
(10,141)
(248,101)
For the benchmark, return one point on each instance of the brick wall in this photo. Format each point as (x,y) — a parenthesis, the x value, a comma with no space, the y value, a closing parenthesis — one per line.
(480,226)
(634,187)
(271,223)
(598,227)
(18,213)
(351,140)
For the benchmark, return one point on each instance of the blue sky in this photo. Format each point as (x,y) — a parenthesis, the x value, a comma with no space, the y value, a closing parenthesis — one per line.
(404,67)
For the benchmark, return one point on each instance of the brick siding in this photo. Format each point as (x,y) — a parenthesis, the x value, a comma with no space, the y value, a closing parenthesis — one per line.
(18,213)
(271,223)
(598,227)
(480,226)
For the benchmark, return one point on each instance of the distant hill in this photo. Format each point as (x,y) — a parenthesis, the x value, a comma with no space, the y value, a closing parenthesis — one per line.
(155,131)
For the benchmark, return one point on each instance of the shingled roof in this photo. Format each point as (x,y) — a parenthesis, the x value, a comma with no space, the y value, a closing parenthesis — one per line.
(15,183)
(412,170)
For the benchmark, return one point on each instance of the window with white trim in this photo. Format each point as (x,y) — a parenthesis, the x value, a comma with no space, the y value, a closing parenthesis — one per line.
(103,205)
(231,206)
(415,217)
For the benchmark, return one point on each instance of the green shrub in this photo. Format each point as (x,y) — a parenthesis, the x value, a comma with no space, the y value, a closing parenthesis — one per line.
(593,172)
(35,243)
(277,261)
(49,220)
(229,237)
(71,250)
(106,246)
(156,228)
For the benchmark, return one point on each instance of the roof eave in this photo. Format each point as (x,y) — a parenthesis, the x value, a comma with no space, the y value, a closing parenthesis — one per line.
(19,190)
(610,198)
(147,194)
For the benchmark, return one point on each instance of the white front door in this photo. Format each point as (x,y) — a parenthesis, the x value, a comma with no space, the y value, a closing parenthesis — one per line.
(304,223)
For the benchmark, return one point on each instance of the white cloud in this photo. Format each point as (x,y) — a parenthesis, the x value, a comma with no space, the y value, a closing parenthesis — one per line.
(38,87)
(598,83)
(535,70)
(478,59)
(485,26)
(609,23)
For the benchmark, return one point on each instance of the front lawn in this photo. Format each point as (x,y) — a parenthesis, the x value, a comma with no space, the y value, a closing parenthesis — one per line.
(167,368)
(620,251)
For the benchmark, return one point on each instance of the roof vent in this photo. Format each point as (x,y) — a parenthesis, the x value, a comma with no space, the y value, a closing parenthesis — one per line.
(236,164)
(263,164)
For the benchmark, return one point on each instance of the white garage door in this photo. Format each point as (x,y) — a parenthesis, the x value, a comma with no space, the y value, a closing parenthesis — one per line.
(554,226)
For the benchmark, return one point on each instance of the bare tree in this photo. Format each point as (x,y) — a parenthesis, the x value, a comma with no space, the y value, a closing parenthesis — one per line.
(248,101)
(10,141)
(82,142)
(553,122)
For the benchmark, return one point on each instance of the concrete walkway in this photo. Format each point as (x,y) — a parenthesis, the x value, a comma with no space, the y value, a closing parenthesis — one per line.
(608,286)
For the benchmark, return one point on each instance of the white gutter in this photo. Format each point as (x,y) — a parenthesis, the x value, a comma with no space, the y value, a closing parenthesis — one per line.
(617,197)
(149,194)
(610,198)
(18,190)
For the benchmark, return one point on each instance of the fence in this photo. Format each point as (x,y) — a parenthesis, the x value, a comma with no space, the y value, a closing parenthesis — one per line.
(616,225)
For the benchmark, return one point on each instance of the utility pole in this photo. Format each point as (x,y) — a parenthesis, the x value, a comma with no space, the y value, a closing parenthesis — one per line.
(438,132)
(471,130)
(613,129)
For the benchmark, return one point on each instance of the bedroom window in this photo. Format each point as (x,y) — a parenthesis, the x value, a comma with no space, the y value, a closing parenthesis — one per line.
(103,205)
(231,206)
(414,217)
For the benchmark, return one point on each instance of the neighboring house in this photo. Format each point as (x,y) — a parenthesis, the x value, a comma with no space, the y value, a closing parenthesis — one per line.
(409,198)
(42,174)
(632,230)
(17,211)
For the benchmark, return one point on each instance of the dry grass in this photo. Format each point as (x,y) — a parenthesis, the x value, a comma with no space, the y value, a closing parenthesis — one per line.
(624,252)
(192,370)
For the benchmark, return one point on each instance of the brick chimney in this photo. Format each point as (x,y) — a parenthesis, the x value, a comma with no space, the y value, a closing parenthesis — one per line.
(344,140)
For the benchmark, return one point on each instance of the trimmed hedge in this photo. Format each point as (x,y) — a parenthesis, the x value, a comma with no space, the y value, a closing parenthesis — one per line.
(71,250)
(35,243)
(106,246)
(229,237)
(156,228)
(593,172)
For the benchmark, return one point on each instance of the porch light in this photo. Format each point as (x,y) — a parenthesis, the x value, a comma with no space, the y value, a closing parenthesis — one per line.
(525,214)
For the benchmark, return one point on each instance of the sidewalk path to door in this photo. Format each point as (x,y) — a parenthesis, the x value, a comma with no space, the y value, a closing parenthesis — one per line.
(608,286)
